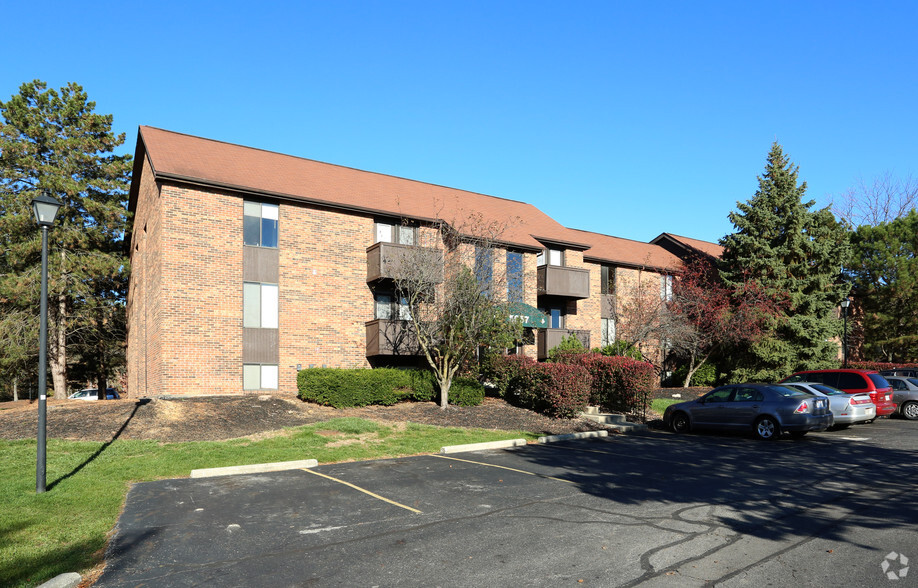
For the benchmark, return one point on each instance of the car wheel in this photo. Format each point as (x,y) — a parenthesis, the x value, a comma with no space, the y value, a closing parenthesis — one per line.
(798,434)
(910,411)
(680,423)
(766,428)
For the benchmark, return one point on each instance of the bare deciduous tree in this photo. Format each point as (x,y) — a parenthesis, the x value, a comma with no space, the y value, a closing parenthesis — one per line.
(885,199)
(453,288)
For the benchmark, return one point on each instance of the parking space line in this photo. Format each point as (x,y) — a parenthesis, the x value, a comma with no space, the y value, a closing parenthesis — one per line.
(491,465)
(384,499)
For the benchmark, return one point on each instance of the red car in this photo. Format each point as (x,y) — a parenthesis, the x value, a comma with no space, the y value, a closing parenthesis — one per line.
(851,381)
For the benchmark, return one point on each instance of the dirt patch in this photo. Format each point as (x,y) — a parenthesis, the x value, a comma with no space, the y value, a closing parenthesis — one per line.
(216,418)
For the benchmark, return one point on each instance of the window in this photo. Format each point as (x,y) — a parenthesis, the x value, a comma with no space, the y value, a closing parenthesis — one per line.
(607,328)
(607,280)
(259,227)
(666,288)
(555,317)
(387,308)
(514,277)
(554,256)
(260,305)
(392,233)
(259,376)
(484,267)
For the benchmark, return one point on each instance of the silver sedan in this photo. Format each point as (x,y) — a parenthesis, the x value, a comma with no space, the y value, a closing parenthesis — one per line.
(905,395)
(846,408)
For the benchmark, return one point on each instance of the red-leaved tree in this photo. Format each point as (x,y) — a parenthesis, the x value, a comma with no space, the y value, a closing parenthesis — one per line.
(708,316)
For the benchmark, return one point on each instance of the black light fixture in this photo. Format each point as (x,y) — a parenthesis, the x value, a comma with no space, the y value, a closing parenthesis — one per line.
(844,305)
(45,208)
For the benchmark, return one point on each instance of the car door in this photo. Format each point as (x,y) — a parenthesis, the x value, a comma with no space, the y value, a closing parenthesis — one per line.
(744,407)
(712,409)
(900,390)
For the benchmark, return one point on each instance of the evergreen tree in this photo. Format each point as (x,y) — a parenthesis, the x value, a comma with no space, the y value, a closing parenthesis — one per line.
(796,255)
(54,142)
(884,269)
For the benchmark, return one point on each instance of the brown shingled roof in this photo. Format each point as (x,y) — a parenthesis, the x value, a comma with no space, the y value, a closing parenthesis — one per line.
(625,252)
(712,249)
(185,158)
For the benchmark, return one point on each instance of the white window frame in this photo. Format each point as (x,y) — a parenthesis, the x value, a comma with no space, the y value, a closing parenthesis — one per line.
(268,376)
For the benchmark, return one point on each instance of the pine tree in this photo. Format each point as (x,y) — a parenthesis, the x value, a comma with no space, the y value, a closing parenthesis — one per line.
(796,255)
(884,269)
(54,142)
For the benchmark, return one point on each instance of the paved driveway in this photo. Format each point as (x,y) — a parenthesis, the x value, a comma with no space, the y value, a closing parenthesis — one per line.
(656,510)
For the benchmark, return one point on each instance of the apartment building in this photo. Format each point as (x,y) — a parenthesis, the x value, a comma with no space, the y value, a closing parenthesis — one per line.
(249,265)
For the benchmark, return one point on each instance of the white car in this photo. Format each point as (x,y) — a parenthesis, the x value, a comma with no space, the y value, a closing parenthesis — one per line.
(93,394)
(846,408)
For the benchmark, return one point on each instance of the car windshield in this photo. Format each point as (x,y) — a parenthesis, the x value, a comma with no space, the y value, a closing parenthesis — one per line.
(796,378)
(878,380)
(827,390)
(788,391)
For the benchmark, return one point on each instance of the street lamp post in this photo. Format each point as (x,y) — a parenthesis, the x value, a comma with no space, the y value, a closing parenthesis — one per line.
(845,304)
(45,208)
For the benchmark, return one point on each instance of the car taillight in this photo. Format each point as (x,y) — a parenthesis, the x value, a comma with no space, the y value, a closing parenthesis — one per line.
(804,407)
(856,402)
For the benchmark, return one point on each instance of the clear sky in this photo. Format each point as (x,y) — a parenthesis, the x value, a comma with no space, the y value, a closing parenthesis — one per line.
(625,118)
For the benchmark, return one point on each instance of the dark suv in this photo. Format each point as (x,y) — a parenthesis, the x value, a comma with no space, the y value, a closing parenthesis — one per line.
(851,381)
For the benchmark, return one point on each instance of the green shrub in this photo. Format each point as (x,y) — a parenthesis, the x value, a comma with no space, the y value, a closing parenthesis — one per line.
(569,344)
(466,391)
(622,348)
(343,388)
(706,375)
(423,386)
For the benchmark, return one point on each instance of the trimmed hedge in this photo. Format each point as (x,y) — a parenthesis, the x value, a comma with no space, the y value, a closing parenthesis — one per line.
(343,388)
(554,389)
(618,383)
(879,365)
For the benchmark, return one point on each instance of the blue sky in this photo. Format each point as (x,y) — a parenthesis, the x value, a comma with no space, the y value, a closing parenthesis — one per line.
(625,118)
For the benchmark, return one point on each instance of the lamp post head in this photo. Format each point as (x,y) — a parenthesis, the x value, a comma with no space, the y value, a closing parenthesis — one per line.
(45,208)
(845,303)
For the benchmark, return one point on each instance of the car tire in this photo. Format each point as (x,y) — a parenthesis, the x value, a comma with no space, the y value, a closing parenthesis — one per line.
(766,429)
(680,423)
(910,411)
(798,434)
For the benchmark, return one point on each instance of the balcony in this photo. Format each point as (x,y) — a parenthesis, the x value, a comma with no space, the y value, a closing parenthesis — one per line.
(569,282)
(548,339)
(392,261)
(385,337)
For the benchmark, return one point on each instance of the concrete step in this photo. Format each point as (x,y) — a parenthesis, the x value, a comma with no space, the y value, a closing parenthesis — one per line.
(614,421)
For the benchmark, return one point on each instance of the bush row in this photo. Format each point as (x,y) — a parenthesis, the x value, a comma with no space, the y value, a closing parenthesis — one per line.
(879,365)
(343,388)
(554,389)
(564,388)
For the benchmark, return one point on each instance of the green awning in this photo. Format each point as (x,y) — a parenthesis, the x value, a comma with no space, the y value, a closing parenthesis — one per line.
(530,315)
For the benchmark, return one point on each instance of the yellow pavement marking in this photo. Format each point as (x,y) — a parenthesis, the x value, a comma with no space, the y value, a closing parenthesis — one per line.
(363,490)
(491,465)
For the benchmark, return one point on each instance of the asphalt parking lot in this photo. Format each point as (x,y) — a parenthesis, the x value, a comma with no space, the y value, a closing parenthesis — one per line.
(653,510)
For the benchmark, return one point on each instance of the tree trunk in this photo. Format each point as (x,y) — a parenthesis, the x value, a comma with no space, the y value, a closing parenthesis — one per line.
(15,389)
(57,349)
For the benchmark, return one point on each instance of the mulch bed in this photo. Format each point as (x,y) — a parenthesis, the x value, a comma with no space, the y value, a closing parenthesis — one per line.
(214,418)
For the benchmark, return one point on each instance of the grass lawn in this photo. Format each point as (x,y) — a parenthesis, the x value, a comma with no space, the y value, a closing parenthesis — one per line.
(659,405)
(65,528)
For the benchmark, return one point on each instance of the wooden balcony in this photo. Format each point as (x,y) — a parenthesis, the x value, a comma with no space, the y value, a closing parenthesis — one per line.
(385,337)
(392,260)
(548,339)
(569,282)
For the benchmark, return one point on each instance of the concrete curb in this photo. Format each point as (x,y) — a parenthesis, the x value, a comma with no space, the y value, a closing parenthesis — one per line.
(68,580)
(569,436)
(485,445)
(257,468)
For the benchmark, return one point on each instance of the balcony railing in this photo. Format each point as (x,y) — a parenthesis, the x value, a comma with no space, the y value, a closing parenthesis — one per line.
(570,282)
(394,261)
(385,337)
(548,339)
